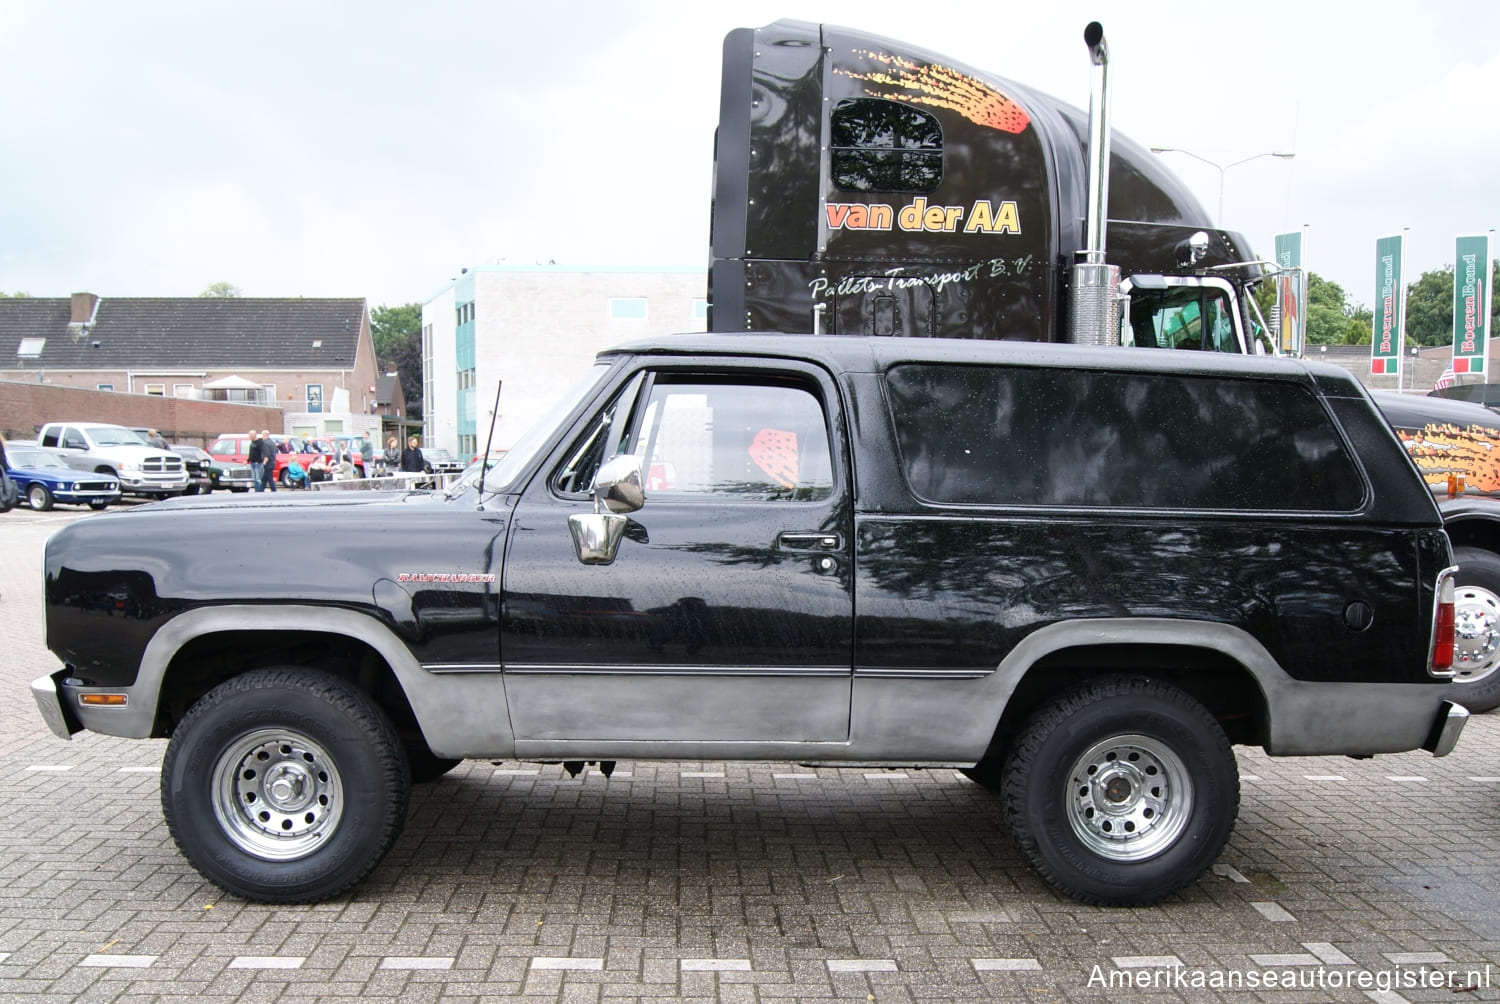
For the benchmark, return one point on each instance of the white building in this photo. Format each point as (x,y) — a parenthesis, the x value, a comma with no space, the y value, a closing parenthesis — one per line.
(536,329)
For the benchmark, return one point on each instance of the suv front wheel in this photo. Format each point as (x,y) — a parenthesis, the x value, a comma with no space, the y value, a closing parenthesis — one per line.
(1121,791)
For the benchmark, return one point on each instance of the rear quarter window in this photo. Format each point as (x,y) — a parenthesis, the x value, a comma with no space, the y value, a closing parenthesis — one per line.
(1012,436)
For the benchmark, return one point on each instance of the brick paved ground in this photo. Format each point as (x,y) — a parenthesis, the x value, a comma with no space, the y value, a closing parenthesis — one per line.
(735,882)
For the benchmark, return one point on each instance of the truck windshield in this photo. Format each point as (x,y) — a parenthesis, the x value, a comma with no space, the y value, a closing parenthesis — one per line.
(506,469)
(117,437)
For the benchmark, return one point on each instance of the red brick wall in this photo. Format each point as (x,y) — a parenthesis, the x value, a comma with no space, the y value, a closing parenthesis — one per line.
(24,407)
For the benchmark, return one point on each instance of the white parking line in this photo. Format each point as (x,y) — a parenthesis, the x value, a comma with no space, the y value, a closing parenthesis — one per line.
(861,965)
(119,961)
(267,962)
(716,965)
(701,773)
(1415,958)
(1269,961)
(50,768)
(1145,961)
(1006,965)
(1327,954)
(795,777)
(1485,780)
(887,775)
(1405,777)
(1274,912)
(1325,777)
(415,962)
(588,965)
(1231,873)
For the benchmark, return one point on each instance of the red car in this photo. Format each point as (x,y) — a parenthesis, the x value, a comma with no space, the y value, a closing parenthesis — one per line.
(236,446)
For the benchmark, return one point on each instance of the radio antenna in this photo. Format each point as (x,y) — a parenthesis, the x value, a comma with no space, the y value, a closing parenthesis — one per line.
(484,458)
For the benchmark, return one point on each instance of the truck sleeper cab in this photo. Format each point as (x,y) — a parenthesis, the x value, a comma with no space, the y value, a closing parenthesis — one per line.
(1077,574)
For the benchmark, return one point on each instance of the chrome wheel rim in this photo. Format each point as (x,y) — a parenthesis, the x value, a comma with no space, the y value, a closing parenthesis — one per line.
(1129,798)
(277,794)
(1476,634)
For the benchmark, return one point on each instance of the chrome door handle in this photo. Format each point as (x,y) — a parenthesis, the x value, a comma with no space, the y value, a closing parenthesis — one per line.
(811,541)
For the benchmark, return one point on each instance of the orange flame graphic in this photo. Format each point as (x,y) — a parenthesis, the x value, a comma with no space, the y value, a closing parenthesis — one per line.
(941,87)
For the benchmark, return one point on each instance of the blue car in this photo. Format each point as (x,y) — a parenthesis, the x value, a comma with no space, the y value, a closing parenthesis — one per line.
(42,478)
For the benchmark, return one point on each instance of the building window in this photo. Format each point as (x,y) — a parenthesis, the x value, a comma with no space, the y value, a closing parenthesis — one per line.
(156,389)
(314,398)
(627,308)
(183,390)
(104,386)
(466,379)
(31,348)
(464,313)
(885,146)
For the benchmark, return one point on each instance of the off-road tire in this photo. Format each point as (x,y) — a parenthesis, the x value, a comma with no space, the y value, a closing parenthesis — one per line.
(1121,791)
(285,785)
(1476,680)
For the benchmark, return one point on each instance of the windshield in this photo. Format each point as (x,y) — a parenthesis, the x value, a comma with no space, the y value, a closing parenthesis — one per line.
(33,458)
(507,468)
(116,437)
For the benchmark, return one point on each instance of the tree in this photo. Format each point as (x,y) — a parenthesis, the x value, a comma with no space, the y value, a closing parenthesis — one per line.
(1429,306)
(1328,311)
(397,332)
(14,296)
(221,289)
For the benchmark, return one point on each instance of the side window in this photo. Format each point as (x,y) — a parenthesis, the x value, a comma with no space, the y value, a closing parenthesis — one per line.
(709,437)
(73,440)
(885,146)
(49,437)
(729,439)
(1182,317)
(1005,435)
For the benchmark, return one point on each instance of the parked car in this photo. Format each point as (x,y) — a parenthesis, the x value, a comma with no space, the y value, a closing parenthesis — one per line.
(43,478)
(114,450)
(235,447)
(439,461)
(209,473)
(1079,574)
(330,450)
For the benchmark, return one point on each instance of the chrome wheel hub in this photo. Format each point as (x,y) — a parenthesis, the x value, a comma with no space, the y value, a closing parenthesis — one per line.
(277,794)
(1129,798)
(1476,623)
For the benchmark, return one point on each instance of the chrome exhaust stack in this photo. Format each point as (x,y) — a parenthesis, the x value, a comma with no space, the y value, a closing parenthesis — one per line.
(1094,299)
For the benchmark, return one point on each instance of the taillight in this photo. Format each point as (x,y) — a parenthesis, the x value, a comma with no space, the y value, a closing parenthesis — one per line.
(1441,661)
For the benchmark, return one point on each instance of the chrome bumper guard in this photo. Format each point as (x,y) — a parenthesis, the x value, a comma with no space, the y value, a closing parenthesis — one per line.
(49,703)
(1445,731)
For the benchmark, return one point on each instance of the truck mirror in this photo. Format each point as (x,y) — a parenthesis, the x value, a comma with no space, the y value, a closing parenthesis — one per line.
(617,486)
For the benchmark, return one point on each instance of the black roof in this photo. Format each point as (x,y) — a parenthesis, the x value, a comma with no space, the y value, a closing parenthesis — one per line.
(209,332)
(870,353)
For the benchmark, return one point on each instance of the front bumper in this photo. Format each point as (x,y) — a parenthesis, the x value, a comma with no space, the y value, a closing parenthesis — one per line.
(84,498)
(134,484)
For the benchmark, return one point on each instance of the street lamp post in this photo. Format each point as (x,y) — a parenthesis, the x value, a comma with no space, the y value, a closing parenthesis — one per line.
(1221,168)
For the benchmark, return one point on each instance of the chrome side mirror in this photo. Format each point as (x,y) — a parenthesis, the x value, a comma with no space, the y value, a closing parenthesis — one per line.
(617,487)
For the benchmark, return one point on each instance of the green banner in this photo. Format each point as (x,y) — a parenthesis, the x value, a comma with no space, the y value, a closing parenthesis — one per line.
(1385,346)
(1471,303)
(1291,292)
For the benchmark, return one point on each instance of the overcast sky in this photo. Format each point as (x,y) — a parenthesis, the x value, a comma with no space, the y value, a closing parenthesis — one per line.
(373,149)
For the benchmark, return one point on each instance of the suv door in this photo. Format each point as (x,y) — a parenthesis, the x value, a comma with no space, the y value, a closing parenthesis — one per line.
(726,615)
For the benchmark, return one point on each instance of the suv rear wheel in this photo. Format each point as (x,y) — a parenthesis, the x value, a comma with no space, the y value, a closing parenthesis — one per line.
(1121,791)
(1476,664)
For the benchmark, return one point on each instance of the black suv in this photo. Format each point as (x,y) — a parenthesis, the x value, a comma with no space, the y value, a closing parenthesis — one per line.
(1079,575)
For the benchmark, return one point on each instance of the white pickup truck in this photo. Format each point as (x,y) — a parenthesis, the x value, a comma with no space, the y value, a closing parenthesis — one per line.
(141,469)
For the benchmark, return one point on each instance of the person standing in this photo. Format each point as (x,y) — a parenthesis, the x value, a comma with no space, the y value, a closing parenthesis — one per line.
(268,460)
(411,457)
(391,458)
(255,455)
(154,438)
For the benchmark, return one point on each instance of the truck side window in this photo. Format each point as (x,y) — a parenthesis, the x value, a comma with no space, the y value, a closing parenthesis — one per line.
(885,146)
(749,441)
(1003,436)
(604,438)
(1182,317)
